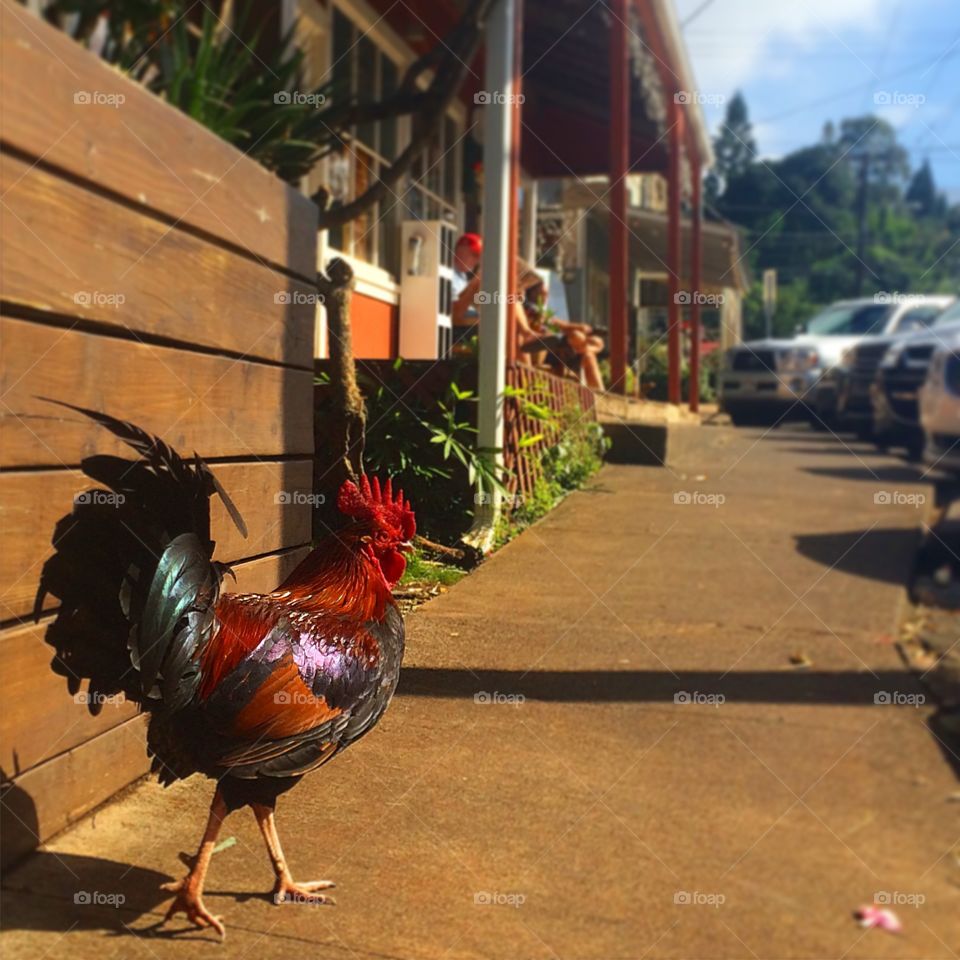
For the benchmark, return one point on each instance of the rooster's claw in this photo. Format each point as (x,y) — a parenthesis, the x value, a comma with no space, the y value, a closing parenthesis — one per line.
(188,902)
(286,891)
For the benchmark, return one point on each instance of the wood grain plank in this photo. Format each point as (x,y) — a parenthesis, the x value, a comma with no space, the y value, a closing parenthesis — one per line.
(31,503)
(41,719)
(48,798)
(72,252)
(142,148)
(213,405)
(265,573)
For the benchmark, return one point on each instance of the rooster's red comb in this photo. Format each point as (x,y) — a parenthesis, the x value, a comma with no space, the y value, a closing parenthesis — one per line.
(371,501)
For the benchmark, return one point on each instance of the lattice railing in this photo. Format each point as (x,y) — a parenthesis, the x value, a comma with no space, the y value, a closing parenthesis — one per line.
(541,389)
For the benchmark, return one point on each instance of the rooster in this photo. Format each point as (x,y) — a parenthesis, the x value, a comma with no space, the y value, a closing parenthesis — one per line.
(251,690)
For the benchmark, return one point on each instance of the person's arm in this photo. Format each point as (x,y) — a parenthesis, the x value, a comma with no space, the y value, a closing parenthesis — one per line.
(524,329)
(566,325)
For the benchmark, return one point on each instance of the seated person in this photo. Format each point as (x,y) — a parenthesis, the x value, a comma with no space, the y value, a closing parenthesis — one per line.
(579,347)
(466,285)
(467,294)
(570,346)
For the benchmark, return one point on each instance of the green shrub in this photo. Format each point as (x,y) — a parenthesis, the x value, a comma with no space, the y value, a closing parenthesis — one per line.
(566,465)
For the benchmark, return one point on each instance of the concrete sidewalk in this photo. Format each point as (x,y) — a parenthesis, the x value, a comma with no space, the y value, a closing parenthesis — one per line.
(536,790)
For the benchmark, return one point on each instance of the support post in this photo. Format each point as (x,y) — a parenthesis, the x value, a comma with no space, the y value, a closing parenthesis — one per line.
(696,279)
(494,266)
(516,106)
(674,139)
(619,147)
(529,224)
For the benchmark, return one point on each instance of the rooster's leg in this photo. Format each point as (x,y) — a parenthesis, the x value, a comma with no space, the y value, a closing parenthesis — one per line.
(285,888)
(189,890)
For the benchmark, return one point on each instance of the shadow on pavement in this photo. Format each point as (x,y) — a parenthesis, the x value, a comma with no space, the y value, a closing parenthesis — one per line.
(853,688)
(837,448)
(876,554)
(891,474)
(947,738)
(62,892)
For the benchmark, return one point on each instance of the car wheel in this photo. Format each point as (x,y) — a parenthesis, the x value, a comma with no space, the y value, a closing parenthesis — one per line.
(738,418)
(742,416)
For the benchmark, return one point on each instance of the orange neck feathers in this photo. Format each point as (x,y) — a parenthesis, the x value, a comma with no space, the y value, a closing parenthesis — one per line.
(339,578)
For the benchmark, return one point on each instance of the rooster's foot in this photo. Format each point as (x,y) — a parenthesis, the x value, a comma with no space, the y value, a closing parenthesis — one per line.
(286,891)
(189,902)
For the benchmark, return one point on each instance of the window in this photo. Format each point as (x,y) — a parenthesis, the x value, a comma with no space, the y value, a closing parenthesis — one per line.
(847,319)
(918,318)
(361,68)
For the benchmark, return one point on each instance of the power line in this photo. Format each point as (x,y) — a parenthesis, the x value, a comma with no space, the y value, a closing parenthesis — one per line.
(850,91)
(696,13)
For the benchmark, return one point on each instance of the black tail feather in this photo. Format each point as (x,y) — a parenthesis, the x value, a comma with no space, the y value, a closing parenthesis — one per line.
(134,574)
(160,456)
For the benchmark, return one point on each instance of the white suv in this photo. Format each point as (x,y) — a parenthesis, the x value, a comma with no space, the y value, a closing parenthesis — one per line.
(771,376)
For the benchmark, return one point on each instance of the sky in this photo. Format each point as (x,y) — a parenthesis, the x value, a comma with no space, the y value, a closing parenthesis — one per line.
(800,63)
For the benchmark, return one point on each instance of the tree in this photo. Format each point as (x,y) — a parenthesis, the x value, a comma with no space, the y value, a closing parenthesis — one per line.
(922,194)
(871,144)
(873,141)
(805,213)
(733,147)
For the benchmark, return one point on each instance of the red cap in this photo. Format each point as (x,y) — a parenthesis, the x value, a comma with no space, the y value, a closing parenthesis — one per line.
(473,240)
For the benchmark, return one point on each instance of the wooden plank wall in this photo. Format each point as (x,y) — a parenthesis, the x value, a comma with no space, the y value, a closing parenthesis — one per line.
(153,272)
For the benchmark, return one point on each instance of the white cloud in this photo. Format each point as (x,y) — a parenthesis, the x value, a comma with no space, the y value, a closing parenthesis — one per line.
(732,41)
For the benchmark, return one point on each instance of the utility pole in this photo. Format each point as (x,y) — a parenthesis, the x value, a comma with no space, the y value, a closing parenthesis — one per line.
(861,266)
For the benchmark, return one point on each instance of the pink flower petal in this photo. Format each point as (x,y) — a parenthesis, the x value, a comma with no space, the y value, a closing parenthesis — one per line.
(880,917)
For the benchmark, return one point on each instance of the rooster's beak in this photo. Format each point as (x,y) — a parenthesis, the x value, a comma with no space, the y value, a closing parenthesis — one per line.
(406,546)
